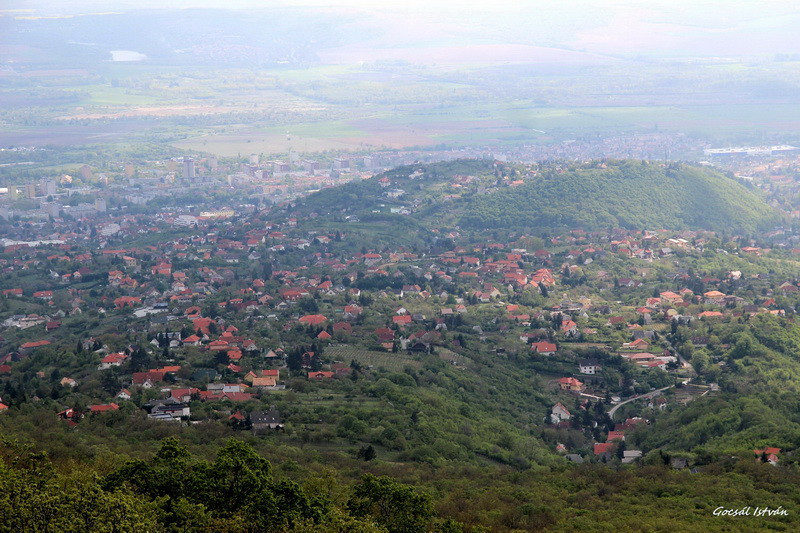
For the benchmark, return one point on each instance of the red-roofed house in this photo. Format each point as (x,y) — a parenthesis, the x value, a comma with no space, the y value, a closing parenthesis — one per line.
(151,376)
(372,259)
(112,359)
(352,311)
(570,384)
(219,345)
(237,396)
(202,325)
(124,394)
(34,344)
(402,320)
(569,328)
(615,435)
(544,348)
(184,395)
(638,344)
(265,382)
(344,327)
(103,408)
(384,334)
(314,320)
(192,340)
(601,448)
(162,269)
(124,301)
(770,453)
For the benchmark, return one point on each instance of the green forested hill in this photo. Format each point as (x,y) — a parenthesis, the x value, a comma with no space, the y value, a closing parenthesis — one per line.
(596,195)
(628,194)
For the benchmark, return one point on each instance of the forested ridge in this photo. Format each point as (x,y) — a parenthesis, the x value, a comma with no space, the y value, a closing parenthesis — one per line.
(627,194)
(596,195)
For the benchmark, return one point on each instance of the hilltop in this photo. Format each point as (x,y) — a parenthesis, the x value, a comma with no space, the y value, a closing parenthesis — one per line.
(484,194)
(627,194)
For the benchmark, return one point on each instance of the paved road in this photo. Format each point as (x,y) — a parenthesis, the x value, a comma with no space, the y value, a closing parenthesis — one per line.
(646,395)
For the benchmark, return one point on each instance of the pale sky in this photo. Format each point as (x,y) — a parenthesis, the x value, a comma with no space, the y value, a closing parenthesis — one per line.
(732,27)
(685,9)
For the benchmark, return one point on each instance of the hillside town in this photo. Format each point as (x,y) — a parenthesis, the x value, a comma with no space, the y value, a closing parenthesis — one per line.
(220,315)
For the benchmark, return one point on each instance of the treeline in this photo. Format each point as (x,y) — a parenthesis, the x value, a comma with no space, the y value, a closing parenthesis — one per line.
(240,491)
(177,491)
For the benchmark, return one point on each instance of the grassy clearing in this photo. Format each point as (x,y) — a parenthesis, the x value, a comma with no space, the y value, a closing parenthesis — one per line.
(324,130)
(105,95)
(451,357)
(391,361)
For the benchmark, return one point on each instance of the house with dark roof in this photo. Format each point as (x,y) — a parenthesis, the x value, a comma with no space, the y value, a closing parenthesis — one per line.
(265,420)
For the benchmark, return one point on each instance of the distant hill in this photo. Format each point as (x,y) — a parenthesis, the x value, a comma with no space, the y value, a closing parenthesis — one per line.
(597,195)
(627,194)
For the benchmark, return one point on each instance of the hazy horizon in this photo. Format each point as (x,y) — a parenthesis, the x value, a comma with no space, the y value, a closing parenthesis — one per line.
(624,27)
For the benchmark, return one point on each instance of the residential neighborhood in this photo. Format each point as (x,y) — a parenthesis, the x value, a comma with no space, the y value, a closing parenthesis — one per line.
(243,309)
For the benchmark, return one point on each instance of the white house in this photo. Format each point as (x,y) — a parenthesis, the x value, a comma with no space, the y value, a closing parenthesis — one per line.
(589,366)
(559,413)
(124,394)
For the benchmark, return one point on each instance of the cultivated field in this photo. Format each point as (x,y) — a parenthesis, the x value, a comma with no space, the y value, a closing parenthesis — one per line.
(379,105)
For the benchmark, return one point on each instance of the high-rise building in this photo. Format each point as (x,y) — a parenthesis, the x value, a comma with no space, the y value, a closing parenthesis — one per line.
(47,187)
(100,205)
(188,168)
(371,161)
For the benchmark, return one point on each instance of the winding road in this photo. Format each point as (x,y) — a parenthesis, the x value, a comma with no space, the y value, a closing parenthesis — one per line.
(646,395)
